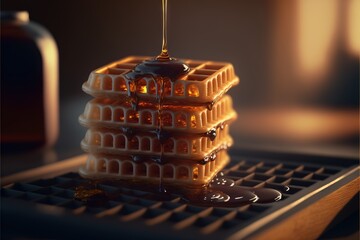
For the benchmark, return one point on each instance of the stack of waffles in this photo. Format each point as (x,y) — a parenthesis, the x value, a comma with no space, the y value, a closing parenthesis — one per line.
(123,143)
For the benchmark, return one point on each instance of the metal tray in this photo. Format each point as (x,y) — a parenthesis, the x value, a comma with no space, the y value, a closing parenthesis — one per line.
(40,203)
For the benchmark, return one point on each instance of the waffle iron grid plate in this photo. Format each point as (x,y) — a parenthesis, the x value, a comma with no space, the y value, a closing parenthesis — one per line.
(47,208)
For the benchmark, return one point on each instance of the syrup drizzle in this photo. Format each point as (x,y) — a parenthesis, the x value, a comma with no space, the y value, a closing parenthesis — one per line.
(163,135)
(160,69)
(162,160)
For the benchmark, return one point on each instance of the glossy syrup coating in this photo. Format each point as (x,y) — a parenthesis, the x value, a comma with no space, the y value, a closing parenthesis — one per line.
(170,68)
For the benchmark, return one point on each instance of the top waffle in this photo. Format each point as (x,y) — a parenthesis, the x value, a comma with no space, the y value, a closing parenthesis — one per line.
(205,83)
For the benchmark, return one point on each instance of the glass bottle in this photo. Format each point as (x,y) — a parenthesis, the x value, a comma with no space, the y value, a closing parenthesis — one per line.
(29,84)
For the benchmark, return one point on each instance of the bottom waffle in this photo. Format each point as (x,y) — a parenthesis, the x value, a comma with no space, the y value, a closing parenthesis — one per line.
(173,173)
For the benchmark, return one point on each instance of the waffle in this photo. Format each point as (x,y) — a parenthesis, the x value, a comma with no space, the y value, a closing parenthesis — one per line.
(119,143)
(112,113)
(124,142)
(120,167)
(206,82)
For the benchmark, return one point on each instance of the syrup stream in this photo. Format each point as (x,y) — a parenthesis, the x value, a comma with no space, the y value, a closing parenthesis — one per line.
(164,50)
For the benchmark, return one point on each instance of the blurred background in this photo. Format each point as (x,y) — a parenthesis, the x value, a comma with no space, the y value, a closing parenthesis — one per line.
(298,62)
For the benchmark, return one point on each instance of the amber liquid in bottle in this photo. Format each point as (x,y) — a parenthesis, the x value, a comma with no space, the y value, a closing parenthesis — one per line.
(29,109)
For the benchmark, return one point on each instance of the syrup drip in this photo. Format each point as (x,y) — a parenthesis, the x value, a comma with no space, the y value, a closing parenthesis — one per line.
(164,135)
(160,127)
(211,134)
(161,68)
(158,69)
(161,160)
(91,194)
(210,105)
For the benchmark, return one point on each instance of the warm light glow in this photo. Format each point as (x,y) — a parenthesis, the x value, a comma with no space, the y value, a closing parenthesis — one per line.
(353,22)
(316,31)
(143,89)
(51,88)
(307,124)
(193,90)
(195,173)
(141,86)
(179,89)
(301,125)
(180,120)
(193,121)
(121,117)
(133,117)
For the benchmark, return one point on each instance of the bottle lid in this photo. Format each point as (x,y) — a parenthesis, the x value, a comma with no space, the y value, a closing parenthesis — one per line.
(21,16)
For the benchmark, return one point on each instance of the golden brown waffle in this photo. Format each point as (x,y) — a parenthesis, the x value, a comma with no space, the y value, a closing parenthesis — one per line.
(206,82)
(120,167)
(112,113)
(187,147)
